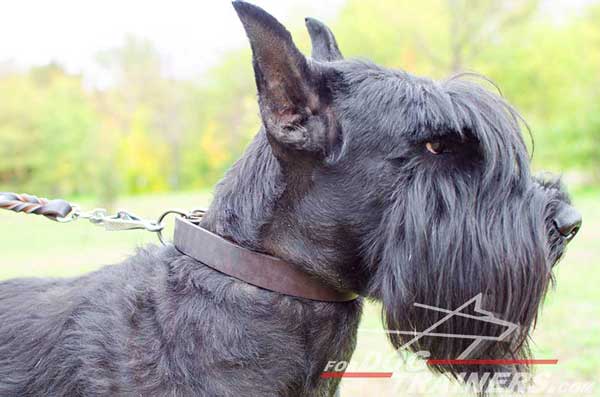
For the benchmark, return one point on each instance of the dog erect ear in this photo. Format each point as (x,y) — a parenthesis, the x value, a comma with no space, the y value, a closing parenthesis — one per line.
(324,45)
(290,92)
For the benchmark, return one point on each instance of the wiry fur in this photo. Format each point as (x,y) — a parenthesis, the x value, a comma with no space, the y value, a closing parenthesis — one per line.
(372,211)
(162,324)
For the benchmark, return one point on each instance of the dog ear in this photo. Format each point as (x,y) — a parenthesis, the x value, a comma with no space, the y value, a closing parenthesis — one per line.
(324,45)
(289,91)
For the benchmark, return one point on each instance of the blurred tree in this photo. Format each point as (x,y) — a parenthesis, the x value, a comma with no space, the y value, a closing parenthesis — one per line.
(147,132)
(591,34)
(441,36)
(225,117)
(146,109)
(47,123)
(548,69)
(552,75)
(475,24)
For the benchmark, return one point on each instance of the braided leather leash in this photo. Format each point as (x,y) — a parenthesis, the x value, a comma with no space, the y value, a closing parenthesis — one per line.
(62,211)
(52,209)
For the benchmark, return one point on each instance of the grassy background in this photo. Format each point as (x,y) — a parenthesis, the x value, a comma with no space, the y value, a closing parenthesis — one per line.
(569,326)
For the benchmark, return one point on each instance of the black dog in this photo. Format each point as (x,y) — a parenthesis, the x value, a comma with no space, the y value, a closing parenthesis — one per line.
(403,189)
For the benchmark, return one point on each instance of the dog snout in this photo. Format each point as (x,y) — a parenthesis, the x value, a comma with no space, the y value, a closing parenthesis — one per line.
(567,221)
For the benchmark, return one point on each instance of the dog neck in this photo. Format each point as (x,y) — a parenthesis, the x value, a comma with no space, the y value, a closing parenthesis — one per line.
(245,211)
(244,199)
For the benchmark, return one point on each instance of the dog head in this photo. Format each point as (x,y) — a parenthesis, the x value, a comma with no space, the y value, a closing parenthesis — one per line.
(407,190)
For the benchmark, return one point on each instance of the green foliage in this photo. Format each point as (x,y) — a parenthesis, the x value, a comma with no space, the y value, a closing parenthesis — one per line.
(146,132)
(47,125)
(225,117)
(552,77)
(550,70)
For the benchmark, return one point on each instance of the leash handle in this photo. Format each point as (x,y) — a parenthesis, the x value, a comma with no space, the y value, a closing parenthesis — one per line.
(64,212)
(29,204)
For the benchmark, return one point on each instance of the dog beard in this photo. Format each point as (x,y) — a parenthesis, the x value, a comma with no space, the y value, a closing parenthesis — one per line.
(489,258)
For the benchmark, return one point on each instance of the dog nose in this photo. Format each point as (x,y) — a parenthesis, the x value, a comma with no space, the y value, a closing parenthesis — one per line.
(567,221)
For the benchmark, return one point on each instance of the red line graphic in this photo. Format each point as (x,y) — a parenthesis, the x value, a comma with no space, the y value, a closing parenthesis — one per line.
(491,362)
(328,375)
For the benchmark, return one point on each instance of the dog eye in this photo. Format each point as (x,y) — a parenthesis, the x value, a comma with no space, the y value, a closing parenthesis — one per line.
(436,147)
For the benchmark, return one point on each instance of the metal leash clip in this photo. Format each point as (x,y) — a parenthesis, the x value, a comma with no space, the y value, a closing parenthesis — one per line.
(193,216)
(122,220)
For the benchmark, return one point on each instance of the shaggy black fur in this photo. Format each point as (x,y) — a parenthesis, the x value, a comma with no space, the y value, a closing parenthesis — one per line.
(341,181)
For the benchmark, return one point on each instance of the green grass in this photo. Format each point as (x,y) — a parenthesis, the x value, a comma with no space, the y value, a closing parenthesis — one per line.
(569,326)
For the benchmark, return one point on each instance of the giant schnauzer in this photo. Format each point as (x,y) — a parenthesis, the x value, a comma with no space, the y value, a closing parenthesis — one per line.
(400,188)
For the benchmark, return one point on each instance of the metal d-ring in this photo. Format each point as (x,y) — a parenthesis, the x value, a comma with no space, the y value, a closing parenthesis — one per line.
(160,219)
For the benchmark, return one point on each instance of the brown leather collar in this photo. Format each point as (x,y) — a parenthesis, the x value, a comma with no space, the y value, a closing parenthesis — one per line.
(254,268)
